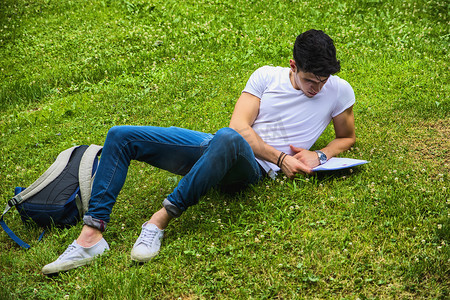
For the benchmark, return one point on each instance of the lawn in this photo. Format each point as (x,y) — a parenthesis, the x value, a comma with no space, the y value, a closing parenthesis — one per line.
(69,70)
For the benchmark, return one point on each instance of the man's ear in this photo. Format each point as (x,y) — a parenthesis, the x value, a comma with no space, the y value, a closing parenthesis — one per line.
(293,65)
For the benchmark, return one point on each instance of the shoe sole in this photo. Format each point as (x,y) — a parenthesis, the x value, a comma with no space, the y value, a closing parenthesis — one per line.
(142,258)
(49,269)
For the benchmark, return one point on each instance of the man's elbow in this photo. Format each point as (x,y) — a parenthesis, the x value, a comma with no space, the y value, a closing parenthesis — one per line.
(234,126)
(347,141)
(351,141)
(239,126)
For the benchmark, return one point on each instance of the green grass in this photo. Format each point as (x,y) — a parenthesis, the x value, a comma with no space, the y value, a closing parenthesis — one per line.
(69,70)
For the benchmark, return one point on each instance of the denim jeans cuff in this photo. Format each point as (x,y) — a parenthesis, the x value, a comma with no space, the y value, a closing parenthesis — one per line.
(95,223)
(172,209)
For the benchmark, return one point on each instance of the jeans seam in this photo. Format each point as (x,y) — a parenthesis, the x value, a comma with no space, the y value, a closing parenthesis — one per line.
(109,182)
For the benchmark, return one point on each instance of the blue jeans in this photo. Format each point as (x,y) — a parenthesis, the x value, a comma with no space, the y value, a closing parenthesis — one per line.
(205,160)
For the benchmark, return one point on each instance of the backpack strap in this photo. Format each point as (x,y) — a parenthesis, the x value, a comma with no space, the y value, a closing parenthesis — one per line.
(86,173)
(11,234)
(14,237)
(49,175)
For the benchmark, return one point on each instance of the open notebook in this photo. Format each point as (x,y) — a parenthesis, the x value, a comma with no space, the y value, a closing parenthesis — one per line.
(337,163)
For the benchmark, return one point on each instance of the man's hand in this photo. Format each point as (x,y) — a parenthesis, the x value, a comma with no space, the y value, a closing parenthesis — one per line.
(292,166)
(309,158)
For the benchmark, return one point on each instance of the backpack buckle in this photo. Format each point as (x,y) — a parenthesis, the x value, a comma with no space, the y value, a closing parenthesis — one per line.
(13,202)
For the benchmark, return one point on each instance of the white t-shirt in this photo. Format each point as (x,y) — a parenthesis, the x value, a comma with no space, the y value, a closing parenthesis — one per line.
(288,117)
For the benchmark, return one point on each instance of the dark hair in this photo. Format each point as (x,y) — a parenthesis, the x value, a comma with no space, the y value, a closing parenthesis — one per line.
(314,52)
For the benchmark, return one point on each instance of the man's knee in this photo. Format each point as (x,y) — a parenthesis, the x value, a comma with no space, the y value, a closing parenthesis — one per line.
(229,136)
(117,133)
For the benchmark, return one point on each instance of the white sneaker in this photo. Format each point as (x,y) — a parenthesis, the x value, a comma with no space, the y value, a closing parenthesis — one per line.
(76,256)
(148,243)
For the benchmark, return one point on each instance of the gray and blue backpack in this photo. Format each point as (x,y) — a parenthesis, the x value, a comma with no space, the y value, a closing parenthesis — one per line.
(60,196)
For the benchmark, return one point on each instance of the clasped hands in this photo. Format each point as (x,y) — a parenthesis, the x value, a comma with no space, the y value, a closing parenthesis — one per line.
(302,162)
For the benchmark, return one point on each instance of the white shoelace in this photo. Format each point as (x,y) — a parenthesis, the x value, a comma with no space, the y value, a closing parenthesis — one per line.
(68,251)
(147,236)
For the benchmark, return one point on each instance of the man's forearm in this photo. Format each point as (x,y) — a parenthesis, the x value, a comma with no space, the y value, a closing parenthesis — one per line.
(337,146)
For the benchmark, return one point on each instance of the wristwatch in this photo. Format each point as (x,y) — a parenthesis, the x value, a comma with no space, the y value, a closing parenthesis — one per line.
(322,157)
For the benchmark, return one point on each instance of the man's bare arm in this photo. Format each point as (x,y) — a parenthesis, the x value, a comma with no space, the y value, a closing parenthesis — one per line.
(344,128)
(244,114)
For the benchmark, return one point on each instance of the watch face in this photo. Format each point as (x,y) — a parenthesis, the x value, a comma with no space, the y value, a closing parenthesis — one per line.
(322,157)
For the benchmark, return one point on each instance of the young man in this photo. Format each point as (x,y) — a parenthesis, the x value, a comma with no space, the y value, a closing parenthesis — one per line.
(279,115)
